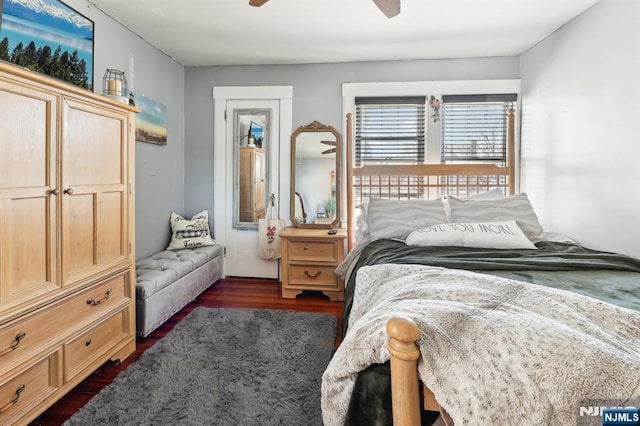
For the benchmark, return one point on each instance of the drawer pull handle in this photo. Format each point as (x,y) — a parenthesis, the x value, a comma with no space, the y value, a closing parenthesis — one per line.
(87,343)
(91,301)
(68,191)
(13,347)
(305,248)
(15,399)
(312,275)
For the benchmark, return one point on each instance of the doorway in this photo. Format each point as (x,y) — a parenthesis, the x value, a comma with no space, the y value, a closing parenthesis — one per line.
(241,242)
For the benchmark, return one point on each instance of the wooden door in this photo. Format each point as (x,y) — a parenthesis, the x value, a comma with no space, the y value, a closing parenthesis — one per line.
(94,190)
(241,244)
(28,186)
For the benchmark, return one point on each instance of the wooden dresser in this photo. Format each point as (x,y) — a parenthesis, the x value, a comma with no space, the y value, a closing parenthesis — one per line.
(252,184)
(309,257)
(67,278)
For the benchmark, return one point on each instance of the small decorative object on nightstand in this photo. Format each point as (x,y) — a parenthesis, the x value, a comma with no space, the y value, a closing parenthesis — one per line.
(309,257)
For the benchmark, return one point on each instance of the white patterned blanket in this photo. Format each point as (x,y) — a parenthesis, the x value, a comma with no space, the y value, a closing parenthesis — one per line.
(493,351)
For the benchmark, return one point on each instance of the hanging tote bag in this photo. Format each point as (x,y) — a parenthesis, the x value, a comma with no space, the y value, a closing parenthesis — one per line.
(269,228)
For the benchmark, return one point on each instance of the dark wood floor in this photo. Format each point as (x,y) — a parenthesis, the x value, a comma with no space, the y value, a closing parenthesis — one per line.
(227,293)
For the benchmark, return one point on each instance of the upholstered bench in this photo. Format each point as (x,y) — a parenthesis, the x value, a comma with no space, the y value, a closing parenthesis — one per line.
(169,280)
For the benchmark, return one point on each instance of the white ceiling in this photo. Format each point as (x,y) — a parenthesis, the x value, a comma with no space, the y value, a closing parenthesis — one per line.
(230,32)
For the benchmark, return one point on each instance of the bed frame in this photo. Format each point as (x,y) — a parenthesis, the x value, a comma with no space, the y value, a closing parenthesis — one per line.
(425,181)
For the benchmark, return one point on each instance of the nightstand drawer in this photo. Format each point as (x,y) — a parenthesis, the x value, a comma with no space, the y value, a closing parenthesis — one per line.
(312,250)
(312,275)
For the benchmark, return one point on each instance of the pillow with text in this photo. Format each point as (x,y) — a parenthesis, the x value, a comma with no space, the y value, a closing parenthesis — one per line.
(190,233)
(501,235)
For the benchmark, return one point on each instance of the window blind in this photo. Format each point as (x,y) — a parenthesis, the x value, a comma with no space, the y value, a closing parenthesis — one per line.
(474,128)
(390,130)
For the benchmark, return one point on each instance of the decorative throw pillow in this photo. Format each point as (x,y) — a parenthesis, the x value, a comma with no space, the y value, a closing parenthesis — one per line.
(514,207)
(494,194)
(190,233)
(501,235)
(397,218)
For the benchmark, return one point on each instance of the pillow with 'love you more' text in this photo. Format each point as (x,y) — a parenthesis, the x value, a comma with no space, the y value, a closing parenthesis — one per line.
(501,235)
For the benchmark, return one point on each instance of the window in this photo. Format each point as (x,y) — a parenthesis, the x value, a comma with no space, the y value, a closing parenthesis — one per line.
(389,130)
(474,128)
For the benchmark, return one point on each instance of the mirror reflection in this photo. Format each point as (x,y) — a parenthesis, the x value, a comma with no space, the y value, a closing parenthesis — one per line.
(315,155)
(250,166)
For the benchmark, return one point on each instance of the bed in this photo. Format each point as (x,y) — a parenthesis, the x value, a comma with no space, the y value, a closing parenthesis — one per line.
(476,335)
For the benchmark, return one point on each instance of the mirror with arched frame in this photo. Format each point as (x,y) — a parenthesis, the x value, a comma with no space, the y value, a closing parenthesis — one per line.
(315,176)
(251,166)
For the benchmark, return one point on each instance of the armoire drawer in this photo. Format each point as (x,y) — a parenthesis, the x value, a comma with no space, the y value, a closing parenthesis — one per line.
(34,332)
(21,394)
(95,343)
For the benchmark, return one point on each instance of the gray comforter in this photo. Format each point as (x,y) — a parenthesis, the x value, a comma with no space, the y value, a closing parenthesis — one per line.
(605,276)
(610,277)
(494,351)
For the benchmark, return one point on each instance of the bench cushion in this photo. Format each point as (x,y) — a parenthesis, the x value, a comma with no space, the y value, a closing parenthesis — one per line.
(161,269)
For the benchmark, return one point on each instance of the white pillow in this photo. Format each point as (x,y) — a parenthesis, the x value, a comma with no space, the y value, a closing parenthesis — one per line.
(361,219)
(190,233)
(502,235)
(494,194)
(514,207)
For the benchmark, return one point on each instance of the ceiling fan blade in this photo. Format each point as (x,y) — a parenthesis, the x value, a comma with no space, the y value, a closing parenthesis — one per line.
(329,151)
(390,8)
(257,3)
(333,143)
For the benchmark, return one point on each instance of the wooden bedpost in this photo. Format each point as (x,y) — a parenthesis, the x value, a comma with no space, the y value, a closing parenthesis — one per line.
(350,206)
(403,334)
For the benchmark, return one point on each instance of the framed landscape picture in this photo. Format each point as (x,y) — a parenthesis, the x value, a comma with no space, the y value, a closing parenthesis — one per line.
(151,121)
(48,36)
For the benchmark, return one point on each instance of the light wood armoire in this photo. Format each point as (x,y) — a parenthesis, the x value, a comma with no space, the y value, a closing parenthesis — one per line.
(252,184)
(67,278)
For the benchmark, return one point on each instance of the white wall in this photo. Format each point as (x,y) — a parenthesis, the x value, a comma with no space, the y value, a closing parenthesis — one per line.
(159,169)
(581,127)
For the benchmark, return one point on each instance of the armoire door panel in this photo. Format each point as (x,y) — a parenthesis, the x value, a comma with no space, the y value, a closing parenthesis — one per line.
(28,179)
(111,244)
(28,247)
(25,119)
(93,146)
(94,203)
(79,236)
(260,182)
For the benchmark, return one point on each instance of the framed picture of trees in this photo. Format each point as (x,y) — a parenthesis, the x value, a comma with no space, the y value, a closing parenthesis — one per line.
(48,36)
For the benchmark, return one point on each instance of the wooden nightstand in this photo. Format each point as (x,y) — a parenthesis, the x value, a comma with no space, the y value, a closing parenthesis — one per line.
(309,257)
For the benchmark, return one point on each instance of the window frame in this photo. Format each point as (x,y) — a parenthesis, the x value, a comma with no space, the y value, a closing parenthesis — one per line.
(475,104)
(437,88)
(395,109)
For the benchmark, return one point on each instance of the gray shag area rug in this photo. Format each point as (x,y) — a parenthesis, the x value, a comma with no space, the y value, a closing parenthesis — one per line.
(223,367)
